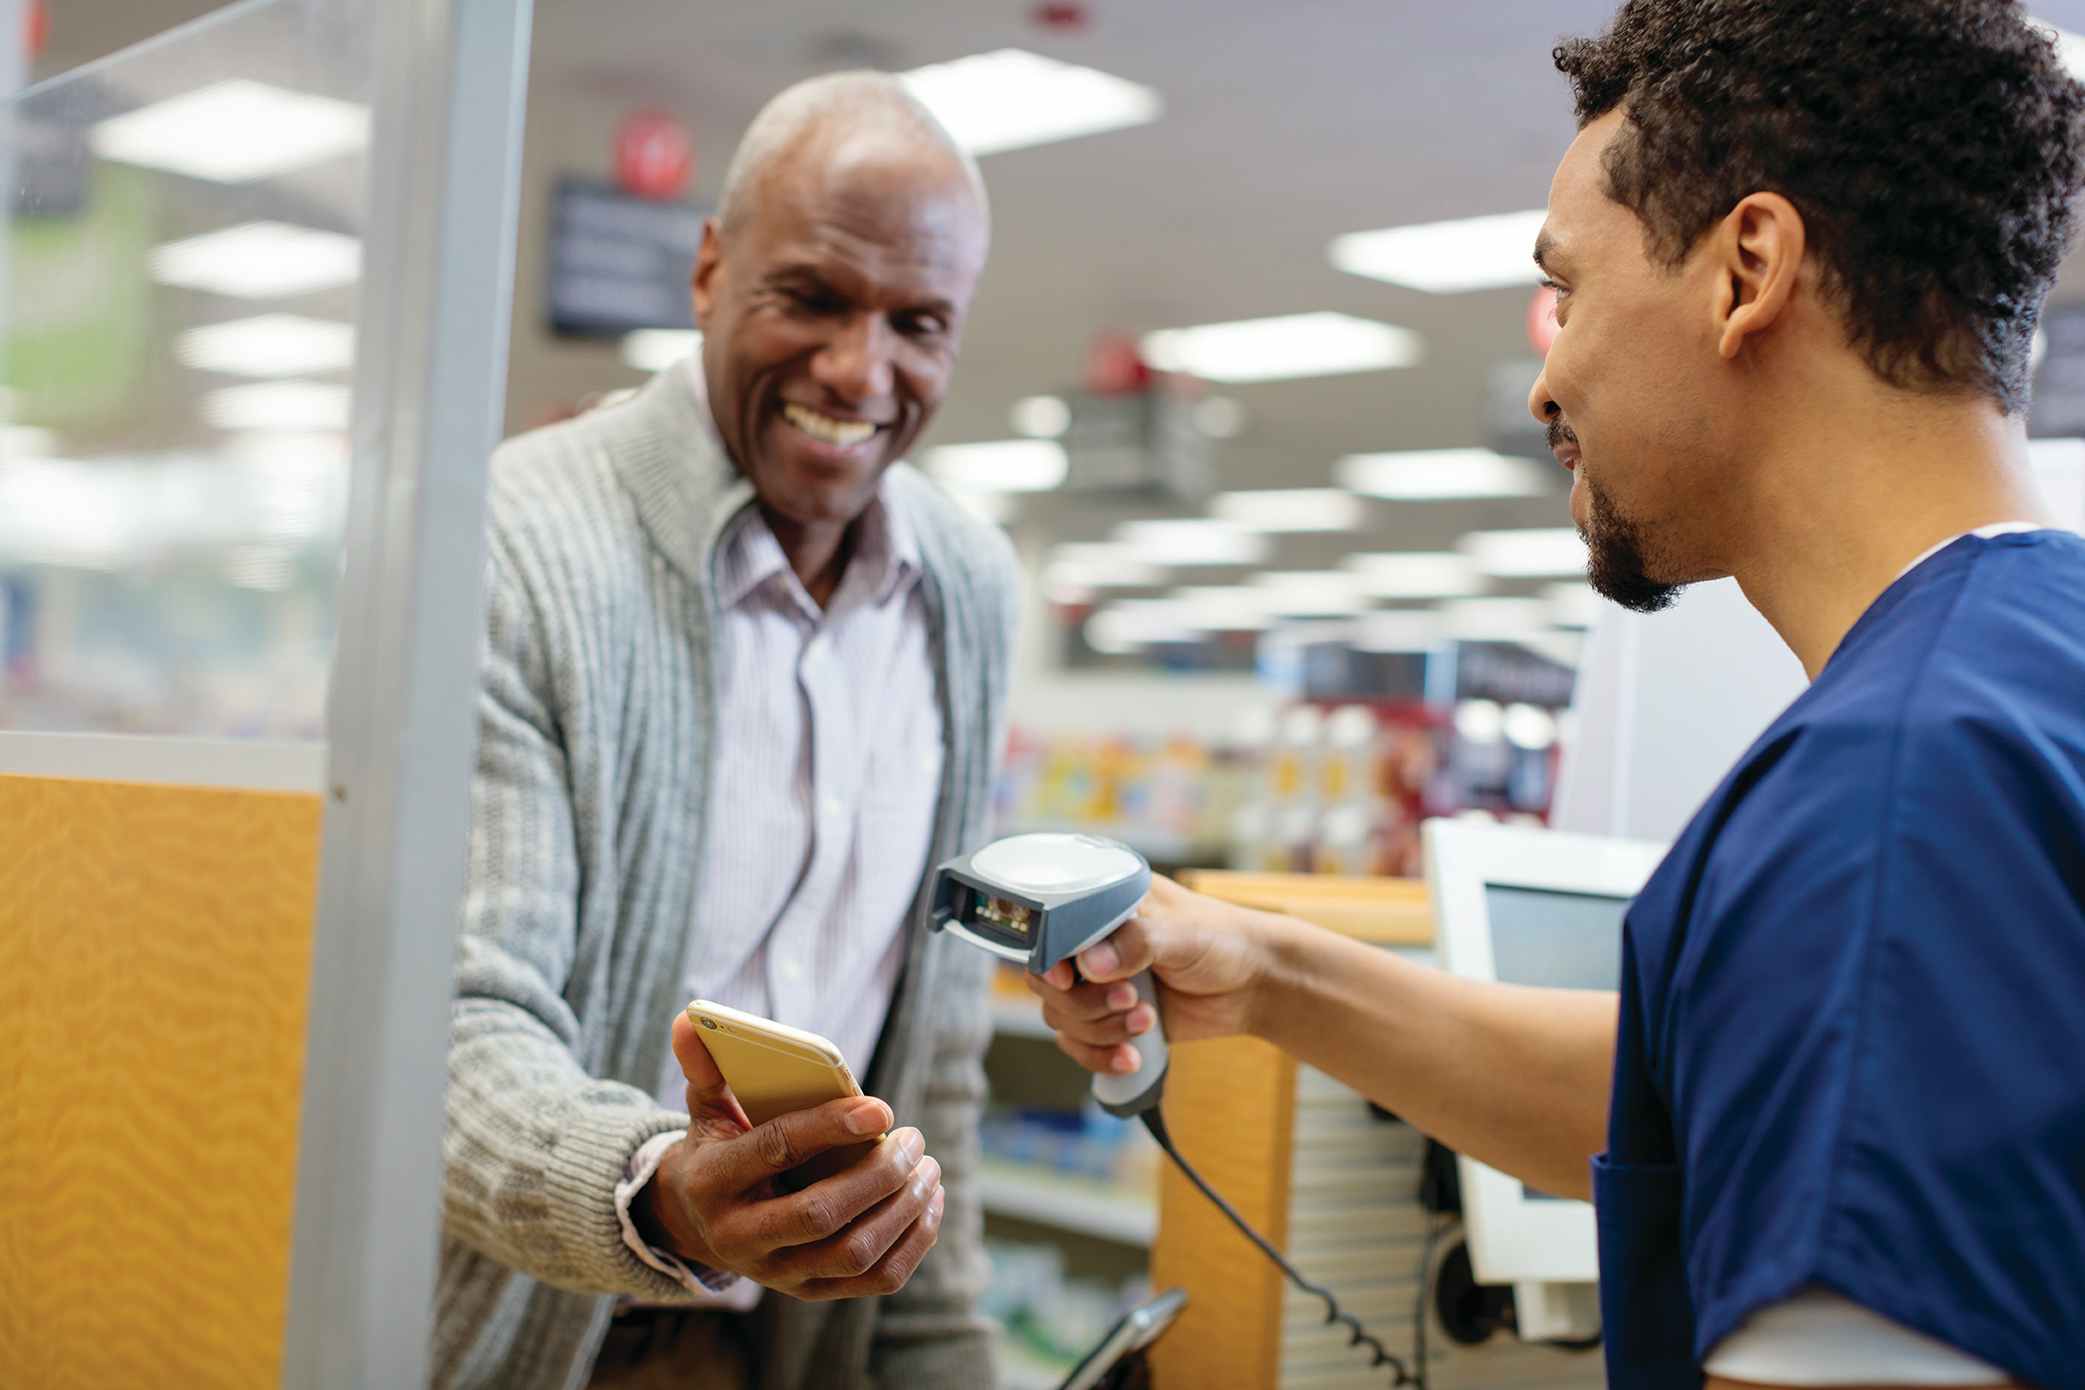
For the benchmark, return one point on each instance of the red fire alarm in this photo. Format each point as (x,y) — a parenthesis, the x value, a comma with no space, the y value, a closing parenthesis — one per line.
(654,158)
(37,23)
(1065,16)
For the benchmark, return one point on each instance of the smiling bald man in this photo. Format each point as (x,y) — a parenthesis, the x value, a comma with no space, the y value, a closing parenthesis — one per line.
(745,682)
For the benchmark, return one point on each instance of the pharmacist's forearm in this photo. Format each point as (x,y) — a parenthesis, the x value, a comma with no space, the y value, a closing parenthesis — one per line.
(1517,1078)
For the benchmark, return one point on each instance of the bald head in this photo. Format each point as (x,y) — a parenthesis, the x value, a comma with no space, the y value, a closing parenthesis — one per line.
(831,290)
(841,115)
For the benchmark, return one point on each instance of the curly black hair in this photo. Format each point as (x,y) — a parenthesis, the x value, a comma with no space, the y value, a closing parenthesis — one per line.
(1933,148)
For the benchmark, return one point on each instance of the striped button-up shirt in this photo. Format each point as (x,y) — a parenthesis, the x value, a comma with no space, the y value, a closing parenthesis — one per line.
(828,763)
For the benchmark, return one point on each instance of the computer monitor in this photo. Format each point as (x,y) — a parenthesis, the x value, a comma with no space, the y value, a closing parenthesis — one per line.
(1530,907)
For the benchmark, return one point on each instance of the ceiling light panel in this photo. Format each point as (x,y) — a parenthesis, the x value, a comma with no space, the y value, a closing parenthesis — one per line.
(1416,575)
(297,406)
(1495,619)
(1010,99)
(1099,565)
(1301,510)
(268,345)
(1004,465)
(1193,542)
(1536,553)
(1311,593)
(234,132)
(1441,475)
(260,260)
(1384,631)
(1474,253)
(1284,348)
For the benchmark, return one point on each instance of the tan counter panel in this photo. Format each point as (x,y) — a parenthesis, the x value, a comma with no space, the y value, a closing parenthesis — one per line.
(155,953)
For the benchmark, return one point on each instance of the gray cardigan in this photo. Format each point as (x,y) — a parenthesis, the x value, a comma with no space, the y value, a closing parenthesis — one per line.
(589,804)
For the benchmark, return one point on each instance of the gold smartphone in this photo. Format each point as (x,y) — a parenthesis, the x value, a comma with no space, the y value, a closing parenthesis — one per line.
(774,1069)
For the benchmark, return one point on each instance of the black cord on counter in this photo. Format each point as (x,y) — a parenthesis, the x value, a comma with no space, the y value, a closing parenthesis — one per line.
(1155,1122)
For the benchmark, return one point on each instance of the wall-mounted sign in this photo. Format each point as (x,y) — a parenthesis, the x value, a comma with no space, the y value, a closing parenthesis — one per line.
(619,263)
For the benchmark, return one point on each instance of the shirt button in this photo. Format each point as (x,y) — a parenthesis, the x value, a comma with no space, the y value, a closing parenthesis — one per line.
(833,808)
(791,971)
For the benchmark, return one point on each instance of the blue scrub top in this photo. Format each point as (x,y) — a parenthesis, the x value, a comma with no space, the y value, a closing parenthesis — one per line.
(1852,1044)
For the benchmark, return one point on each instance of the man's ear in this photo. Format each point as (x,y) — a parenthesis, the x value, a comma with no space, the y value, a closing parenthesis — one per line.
(707,259)
(1758,251)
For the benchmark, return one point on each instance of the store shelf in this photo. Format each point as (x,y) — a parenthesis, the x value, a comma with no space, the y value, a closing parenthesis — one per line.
(1023,1368)
(1019,1018)
(1088,1207)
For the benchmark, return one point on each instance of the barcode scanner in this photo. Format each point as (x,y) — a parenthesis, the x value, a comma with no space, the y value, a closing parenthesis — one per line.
(1038,899)
(1041,898)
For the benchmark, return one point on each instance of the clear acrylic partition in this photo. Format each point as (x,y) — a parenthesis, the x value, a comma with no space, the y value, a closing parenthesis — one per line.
(182,251)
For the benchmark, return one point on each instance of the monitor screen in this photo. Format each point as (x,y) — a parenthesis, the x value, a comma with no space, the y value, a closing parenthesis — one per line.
(1555,940)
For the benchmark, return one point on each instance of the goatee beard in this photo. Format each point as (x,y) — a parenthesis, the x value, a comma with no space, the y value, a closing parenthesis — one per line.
(1619,570)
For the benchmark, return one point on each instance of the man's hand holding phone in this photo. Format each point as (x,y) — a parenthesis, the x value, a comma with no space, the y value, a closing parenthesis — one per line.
(716,1198)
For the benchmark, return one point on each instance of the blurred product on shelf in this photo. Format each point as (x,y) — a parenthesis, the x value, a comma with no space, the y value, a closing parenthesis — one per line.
(1084,1143)
(1343,788)
(1171,799)
(1317,786)
(1048,1318)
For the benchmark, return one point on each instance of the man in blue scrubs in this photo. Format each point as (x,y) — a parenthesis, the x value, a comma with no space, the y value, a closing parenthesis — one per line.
(1839,1106)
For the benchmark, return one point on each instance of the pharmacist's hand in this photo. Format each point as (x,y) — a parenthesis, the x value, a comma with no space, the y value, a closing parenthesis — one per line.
(1206,955)
(715,1199)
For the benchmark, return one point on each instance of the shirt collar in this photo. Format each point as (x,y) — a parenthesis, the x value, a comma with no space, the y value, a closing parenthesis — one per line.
(1991,532)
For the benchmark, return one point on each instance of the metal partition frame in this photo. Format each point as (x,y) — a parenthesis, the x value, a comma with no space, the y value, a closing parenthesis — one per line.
(450,79)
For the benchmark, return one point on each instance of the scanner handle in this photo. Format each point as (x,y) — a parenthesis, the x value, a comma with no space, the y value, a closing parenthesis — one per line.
(1132,1093)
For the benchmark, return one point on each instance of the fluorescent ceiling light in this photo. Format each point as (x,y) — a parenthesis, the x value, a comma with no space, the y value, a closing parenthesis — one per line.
(656,349)
(1494,619)
(1005,465)
(1009,99)
(1538,553)
(260,260)
(1283,348)
(1416,574)
(1572,605)
(1313,593)
(1099,566)
(1290,510)
(1397,632)
(234,131)
(2070,47)
(1131,624)
(279,405)
(1226,607)
(1193,542)
(1041,417)
(1474,253)
(1439,475)
(269,345)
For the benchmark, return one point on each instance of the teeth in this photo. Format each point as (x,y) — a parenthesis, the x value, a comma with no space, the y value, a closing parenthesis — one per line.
(841,432)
